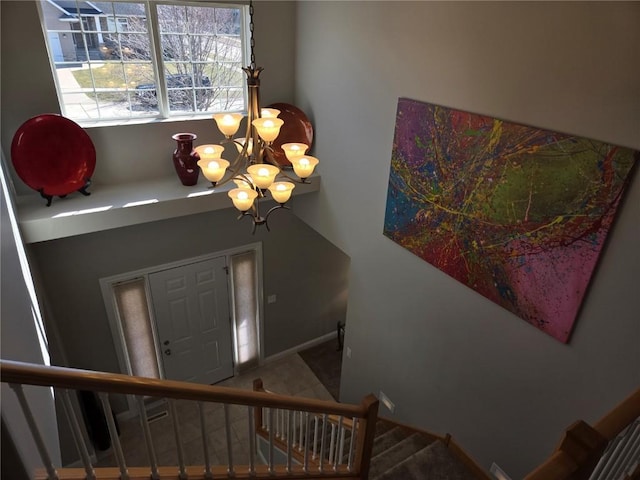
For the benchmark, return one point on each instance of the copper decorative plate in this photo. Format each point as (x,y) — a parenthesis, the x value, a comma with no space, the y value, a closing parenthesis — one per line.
(296,129)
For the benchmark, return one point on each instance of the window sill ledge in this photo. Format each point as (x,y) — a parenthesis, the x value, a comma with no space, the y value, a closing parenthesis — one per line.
(114,206)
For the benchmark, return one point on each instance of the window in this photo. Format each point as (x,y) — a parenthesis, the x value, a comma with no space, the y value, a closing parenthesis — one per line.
(133,312)
(124,60)
(244,283)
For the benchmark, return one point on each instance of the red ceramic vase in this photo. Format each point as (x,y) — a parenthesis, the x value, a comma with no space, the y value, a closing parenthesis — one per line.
(185,159)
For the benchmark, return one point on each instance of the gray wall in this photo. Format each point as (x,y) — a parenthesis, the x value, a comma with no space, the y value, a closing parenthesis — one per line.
(19,342)
(451,360)
(306,273)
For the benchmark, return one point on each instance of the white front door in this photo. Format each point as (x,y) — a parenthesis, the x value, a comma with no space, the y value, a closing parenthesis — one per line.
(191,307)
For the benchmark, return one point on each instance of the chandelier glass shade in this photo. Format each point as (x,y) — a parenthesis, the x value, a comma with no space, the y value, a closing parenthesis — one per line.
(254,169)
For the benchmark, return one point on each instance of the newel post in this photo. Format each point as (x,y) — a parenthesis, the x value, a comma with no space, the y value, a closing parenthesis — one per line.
(258,386)
(366,434)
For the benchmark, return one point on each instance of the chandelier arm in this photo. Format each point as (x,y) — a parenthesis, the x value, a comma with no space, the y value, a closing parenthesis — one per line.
(293,179)
(236,165)
(243,177)
(270,158)
(253,220)
(271,210)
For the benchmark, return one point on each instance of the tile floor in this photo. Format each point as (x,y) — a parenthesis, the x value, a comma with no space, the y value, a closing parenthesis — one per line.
(289,375)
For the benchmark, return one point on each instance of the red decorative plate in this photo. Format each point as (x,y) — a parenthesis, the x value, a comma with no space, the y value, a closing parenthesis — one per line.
(53,155)
(296,129)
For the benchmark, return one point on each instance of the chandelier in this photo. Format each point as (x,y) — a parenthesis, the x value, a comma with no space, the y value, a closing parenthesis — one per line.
(254,170)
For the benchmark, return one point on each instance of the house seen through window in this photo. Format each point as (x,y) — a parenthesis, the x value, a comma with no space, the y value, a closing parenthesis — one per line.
(123,60)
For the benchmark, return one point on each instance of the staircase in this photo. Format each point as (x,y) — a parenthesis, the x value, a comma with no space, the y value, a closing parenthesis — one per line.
(314,438)
(398,451)
(402,453)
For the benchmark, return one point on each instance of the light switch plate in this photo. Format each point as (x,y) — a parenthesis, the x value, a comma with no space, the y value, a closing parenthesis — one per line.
(386,401)
(498,473)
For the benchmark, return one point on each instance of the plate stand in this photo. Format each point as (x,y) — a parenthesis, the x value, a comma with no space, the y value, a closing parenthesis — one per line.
(82,190)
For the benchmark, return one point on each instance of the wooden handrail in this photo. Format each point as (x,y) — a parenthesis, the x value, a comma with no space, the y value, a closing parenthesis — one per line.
(617,419)
(62,377)
(582,445)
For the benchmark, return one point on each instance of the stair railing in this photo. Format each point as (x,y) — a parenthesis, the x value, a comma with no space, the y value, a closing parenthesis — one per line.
(317,441)
(610,449)
(17,374)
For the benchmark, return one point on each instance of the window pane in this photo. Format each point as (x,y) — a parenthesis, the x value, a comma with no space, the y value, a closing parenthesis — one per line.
(91,45)
(202,43)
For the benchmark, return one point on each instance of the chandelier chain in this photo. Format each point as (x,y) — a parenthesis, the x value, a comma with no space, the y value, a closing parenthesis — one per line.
(252,42)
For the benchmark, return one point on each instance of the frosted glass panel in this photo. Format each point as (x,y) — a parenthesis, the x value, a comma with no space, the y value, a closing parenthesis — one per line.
(131,300)
(245,304)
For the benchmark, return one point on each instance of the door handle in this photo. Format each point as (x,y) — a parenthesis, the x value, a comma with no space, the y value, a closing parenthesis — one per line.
(167,351)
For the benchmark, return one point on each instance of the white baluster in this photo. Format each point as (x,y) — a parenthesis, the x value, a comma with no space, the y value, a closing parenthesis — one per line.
(77,434)
(35,433)
(271,438)
(300,444)
(324,434)
(113,433)
(340,450)
(352,443)
(307,425)
(205,442)
(332,444)
(290,438)
(315,436)
(252,441)
(634,454)
(293,431)
(227,428)
(275,424)
(620,456)
(265,419)
(176,432)
(144,421)
(283,420)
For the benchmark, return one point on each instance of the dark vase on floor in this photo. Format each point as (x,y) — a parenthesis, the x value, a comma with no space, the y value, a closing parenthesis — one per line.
(185,158)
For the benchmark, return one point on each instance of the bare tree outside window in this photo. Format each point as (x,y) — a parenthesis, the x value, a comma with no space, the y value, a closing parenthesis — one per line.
(105,60)
(202,58)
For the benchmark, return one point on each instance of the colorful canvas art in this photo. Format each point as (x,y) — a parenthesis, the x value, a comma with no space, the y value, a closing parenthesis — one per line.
(518,214)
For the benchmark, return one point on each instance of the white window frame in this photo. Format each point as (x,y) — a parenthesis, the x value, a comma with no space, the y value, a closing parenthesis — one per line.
(163,112)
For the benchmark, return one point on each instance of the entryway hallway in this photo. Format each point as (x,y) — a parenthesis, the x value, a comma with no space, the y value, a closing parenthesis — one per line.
(289,376)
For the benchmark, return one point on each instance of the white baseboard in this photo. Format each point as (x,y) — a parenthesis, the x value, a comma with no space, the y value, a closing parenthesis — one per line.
(299,348)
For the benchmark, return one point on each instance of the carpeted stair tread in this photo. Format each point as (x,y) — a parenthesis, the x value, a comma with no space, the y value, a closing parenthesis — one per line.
(383,426)
(389,439)
(397,453)
(435,462)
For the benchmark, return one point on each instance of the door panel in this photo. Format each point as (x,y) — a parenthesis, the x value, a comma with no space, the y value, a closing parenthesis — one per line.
(191,306)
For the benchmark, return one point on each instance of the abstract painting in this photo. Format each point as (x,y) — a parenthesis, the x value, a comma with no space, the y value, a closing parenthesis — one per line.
(519,214)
